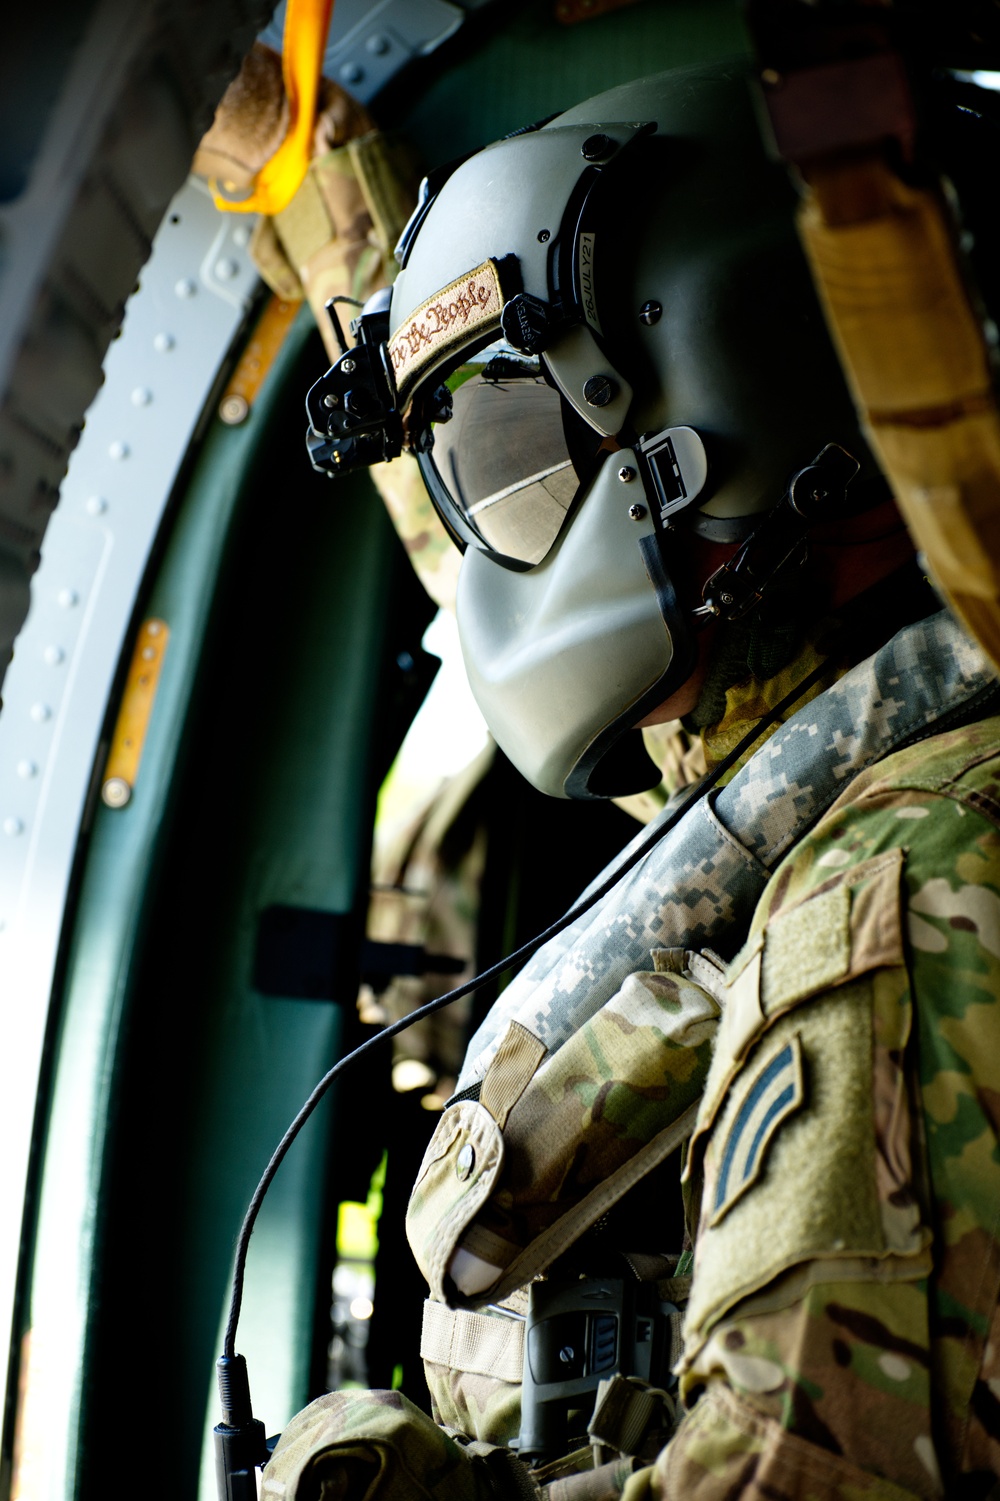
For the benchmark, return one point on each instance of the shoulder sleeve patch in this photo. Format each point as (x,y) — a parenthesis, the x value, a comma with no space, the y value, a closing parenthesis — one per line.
(774,1090)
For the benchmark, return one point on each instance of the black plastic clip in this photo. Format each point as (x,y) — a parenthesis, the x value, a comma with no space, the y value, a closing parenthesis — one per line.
(353,417)
(814,494)
(529,324)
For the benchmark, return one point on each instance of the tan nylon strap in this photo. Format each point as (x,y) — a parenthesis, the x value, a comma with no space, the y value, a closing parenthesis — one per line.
(304,226)
(912,347)
(384,182)
(510,1072)
(624,1412)
(472,1342)
(676,1336)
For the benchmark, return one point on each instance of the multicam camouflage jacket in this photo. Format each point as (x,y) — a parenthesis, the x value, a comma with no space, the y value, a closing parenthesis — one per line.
(838,1080)
(842,1335)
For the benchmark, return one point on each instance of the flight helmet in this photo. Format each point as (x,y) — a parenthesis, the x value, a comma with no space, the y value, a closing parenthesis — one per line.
(602,339)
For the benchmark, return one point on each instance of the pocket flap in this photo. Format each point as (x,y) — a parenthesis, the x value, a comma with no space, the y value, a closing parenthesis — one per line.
(459,1172)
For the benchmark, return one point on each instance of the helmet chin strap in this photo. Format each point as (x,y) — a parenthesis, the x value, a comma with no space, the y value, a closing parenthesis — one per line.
(815,494)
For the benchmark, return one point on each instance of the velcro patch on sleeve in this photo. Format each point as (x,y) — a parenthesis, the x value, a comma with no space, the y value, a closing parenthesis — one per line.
(774,1090)
(807,948)
(463,309)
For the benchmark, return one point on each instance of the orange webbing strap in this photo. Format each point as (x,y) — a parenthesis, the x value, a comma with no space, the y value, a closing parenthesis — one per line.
(914,352)
(279,179)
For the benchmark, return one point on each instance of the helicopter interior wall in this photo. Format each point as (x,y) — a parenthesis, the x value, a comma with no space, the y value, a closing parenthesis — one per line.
(278,710)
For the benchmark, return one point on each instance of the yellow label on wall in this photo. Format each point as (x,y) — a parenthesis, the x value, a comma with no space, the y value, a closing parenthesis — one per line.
(133,716)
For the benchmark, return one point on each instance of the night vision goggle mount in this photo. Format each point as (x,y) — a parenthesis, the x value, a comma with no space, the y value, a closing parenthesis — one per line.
(354,410)
(353,413)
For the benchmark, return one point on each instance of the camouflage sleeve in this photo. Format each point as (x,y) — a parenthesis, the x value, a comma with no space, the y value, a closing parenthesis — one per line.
(843,1339)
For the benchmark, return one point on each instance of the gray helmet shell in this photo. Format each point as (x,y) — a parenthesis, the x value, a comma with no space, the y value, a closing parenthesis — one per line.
(687,213)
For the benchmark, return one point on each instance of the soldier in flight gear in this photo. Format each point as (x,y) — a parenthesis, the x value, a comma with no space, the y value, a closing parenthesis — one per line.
(604,346)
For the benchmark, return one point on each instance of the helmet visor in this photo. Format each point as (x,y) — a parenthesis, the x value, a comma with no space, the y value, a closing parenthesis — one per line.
(502,465)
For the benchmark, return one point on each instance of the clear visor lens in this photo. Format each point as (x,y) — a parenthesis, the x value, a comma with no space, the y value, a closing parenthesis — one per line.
(503,460)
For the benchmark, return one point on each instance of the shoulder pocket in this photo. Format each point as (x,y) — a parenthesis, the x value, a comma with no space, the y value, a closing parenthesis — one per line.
(803,1147)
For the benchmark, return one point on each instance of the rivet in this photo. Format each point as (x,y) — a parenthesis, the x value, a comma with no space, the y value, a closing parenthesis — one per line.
(771,77)
(40,713)
(465,1161)
(594,147)
(153,628)
(68,598)
(227,269)
(54,655)
(241,236)
(544,235)
(650,313)
(13,826)
(234,409)
(141,396)
(163,342)
(330,401)
(186,287)
(626,475)
(27,769)
(116,792)
(637,512)
(351,73)
(118,449)
(148,653)
(348,367)
(726,598)
(599,390)
(377,45)
(95,505)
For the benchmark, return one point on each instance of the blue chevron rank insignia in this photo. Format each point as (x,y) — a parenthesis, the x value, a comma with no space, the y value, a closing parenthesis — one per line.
(773,1094)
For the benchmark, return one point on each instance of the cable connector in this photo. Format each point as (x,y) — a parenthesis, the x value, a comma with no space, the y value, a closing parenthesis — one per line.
(240,1445)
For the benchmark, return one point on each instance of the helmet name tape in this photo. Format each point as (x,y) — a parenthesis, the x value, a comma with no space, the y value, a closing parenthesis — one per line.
(468,306)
